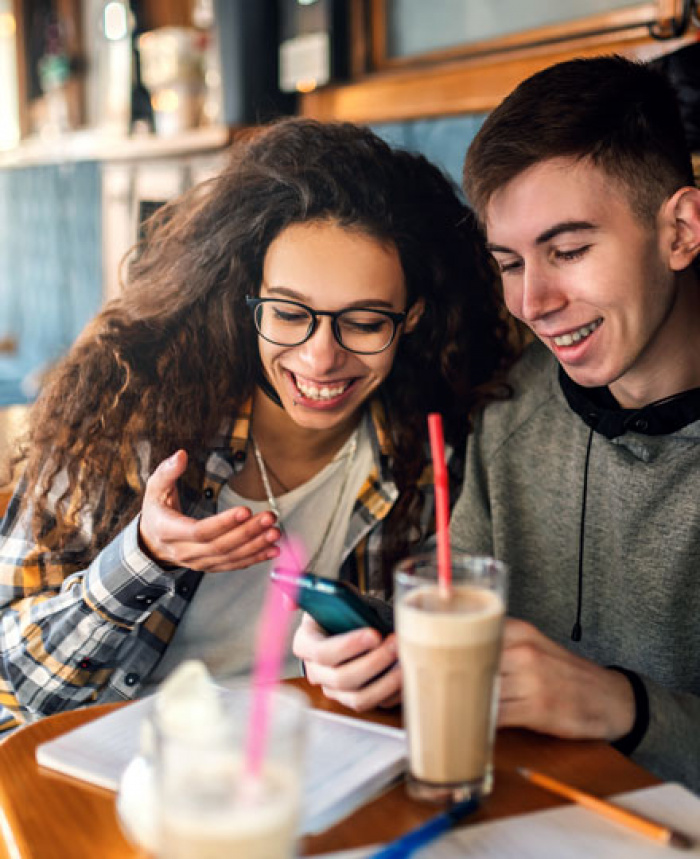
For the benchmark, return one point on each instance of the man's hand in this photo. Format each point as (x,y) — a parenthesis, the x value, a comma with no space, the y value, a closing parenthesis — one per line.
(231,540)
(345,666)
(546,688)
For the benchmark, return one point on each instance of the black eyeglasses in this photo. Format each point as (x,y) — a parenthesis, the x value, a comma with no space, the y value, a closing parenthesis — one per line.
(363,330)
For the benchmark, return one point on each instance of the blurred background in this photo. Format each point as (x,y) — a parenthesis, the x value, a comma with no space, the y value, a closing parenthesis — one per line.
(110,107)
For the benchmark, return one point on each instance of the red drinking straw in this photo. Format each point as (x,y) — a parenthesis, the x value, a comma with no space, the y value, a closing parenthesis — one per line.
(442,503)
(269,652)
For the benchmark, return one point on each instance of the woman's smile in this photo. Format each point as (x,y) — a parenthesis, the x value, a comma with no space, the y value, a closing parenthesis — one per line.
(325,393)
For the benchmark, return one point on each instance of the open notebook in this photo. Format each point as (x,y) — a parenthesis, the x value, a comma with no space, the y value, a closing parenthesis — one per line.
(347,761)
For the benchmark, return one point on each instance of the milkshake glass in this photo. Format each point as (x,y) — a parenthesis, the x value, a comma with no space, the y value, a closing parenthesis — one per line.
(449,650)
(208,807)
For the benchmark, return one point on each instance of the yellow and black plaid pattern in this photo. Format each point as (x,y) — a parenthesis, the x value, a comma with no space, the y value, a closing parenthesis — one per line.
(72,635)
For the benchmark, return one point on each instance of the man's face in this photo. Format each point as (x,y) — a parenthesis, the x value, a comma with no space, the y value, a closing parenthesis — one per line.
(587,276)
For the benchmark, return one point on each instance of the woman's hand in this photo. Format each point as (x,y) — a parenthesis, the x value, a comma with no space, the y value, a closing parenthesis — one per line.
(547,688)
(347,666)
(231,540)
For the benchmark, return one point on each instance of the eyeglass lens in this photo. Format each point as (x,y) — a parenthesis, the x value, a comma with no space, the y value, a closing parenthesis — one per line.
(289,324)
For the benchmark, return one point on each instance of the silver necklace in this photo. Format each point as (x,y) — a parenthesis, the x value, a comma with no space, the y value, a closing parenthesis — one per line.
(348,455)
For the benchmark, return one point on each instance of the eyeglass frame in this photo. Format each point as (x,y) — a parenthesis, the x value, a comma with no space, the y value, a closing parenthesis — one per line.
(396,318)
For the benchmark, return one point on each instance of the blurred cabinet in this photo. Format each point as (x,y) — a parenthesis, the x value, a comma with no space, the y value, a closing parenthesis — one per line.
(55,41)
(165,13)
(50,64)
(131,190)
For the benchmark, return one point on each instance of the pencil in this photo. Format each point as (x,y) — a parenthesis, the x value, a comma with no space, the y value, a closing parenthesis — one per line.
(656,831)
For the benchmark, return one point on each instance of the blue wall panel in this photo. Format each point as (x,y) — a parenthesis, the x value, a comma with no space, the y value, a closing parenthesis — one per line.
(443,140)
(50,266)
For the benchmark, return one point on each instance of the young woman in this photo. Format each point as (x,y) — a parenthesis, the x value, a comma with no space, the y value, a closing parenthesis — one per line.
(268,368)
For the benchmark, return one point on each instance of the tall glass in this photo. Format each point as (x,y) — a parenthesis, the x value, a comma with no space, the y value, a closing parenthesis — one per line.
(208,807)
(449,650)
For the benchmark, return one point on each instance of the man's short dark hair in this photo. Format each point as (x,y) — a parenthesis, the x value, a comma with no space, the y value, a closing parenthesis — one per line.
(619,114)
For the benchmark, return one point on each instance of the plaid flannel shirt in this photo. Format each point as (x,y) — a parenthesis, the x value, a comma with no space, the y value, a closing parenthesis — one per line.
(70,637)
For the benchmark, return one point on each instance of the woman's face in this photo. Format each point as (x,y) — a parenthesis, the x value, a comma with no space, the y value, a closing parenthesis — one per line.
(330,268)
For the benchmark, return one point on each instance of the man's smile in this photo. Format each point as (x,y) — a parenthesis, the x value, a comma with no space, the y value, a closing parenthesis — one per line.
(578,334)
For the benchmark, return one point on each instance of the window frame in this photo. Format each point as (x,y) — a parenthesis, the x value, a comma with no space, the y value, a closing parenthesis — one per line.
(475,77)
(636,18)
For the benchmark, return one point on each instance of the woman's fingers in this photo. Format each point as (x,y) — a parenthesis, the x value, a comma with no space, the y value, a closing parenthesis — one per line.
(232,526)
(358,669)
(236,548)
(224,531)
(312,644)
(385,691)
(230,540)
(226,563)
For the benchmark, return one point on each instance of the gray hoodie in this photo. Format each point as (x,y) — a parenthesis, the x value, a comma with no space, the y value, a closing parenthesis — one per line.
(640,600)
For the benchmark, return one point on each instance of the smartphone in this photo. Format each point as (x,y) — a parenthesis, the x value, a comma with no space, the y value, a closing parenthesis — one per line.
(334,605)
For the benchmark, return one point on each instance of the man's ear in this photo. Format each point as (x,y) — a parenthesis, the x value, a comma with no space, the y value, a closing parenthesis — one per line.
(682,214)
(414,315)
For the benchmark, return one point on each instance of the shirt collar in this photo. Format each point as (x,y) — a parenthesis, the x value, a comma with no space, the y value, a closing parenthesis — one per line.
(239,434)
(240,431)
(599,410)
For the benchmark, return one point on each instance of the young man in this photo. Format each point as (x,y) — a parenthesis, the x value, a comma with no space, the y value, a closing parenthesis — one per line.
(586,480)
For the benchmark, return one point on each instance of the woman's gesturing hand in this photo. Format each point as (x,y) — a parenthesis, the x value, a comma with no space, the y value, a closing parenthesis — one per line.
(231,540)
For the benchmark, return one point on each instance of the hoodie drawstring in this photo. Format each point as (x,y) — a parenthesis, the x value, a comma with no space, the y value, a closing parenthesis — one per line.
(577,632)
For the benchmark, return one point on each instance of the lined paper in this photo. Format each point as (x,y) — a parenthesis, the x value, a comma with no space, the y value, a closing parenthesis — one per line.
(570,832)
(348,760)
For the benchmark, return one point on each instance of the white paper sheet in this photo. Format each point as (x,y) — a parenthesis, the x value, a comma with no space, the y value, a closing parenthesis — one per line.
(347,760)
(570,832)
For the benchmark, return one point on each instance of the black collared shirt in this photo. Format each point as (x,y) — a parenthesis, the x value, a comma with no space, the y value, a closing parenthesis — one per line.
(599,410)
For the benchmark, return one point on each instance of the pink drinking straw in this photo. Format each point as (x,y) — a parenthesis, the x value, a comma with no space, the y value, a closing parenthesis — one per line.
(442,503)
(270,643)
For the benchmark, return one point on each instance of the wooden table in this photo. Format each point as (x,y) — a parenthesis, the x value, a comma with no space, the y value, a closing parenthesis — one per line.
(44,815)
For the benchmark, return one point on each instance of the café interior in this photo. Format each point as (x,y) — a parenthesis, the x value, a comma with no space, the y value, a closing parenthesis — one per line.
(109,108)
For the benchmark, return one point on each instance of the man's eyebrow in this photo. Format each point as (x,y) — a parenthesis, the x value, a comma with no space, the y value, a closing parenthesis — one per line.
(501,249)
(549,234)
(563,227)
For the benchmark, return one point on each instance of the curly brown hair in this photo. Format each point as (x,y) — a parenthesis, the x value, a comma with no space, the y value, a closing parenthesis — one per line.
(175,355)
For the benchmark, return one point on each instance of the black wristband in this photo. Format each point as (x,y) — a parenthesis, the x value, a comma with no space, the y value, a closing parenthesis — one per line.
(631,740)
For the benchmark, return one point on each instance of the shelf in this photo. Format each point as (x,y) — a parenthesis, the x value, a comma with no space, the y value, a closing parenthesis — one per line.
(92,145)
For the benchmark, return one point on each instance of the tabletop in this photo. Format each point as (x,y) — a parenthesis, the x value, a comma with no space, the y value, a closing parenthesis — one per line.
(44,815)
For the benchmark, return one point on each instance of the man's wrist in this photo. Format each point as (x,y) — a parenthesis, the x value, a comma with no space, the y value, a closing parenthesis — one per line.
(628,742)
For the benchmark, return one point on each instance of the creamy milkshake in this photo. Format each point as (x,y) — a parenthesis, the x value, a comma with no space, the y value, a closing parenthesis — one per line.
(258,824)
(449,649)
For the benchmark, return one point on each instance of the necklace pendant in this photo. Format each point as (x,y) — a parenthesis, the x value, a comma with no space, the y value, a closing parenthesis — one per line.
(347,454)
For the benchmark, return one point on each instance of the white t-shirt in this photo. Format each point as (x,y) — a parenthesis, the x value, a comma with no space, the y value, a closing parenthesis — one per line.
(219,625)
